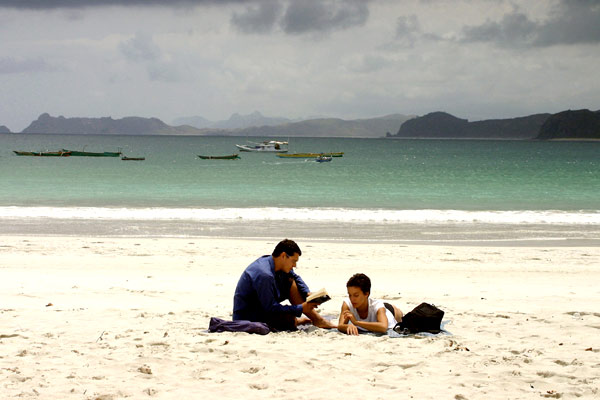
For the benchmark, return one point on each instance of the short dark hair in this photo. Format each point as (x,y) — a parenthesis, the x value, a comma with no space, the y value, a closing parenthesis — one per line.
(288,247)
(360,281)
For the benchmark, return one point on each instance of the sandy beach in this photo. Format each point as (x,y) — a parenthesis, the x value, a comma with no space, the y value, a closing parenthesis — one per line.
(112,318)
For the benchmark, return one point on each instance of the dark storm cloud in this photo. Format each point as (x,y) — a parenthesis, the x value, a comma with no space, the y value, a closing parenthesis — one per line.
(301,16)
(324,15)
(573,22)
(258,18)
(50,4)
(514,28)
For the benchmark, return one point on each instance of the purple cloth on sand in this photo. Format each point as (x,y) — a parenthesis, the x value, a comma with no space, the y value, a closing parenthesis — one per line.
(221,325)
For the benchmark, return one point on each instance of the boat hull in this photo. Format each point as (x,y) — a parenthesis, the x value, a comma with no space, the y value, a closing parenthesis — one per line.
(259,149)
(76,153)
(310,155)
(227,157)
(269,146)
(43,153)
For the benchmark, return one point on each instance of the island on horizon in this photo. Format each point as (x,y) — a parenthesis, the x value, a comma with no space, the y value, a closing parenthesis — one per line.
(565,125)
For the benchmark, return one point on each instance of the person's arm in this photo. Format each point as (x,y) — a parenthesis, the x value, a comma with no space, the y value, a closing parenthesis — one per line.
(343,325)
(265,289)
(380,326)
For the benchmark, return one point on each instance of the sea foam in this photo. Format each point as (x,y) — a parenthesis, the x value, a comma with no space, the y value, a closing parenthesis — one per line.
(325,215)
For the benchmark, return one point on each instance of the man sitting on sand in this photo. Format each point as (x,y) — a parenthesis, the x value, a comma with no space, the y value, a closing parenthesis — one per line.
(362,313)
(267,282)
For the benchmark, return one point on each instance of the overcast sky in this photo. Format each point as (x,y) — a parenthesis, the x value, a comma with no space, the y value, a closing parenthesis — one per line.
(476,59)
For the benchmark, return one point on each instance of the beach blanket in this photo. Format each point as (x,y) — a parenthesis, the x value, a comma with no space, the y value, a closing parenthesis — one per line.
(221,325)
(443,332)
(390,332)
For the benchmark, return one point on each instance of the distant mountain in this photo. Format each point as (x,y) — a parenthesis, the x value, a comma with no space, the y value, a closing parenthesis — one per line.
(4,129)
(106,125)
(331,127)
(571,124)
(578,124)
(443,125)
(236,121)
(196,122)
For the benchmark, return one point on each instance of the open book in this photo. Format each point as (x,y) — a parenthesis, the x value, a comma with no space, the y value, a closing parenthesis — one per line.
(320,296)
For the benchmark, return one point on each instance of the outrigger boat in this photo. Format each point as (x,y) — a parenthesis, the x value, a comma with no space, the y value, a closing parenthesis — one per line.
(323,159)
(311,155)
(228,157)
(43,153)
(124,158)
(273,146)
(76,153)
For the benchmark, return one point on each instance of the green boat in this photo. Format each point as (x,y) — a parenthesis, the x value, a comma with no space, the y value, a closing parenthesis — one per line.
(311,155)
(228,157)
(43,153)
(76,153)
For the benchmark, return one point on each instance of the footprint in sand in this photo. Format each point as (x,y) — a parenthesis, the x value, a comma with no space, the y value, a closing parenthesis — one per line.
(258,386)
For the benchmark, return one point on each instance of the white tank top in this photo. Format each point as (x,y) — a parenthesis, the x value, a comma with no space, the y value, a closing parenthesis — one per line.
(374,306)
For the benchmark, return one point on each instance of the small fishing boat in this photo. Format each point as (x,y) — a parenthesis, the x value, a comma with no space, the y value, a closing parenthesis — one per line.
(228,157)
(77,153)
(323,159)
(124,158)
(273,146)
(43,153)
(311,155)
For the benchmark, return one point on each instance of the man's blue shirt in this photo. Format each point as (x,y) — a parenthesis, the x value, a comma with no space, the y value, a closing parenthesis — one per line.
(261,290)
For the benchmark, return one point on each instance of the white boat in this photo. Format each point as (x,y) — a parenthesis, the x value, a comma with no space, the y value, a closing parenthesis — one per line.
(273,146)
(323,159)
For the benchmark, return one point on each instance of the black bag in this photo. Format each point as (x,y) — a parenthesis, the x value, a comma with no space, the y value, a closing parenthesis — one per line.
(423,318)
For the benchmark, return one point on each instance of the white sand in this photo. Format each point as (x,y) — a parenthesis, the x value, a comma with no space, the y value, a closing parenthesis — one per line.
(128,317)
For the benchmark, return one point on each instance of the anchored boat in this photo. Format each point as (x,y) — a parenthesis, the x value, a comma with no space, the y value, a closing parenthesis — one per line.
(323,159)
(43,153)
(77,153)
(228,157)
(311,155)
(124,158)
(273,146)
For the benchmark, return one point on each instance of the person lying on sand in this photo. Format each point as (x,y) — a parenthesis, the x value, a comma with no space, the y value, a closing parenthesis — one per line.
(267,282)
(361,313)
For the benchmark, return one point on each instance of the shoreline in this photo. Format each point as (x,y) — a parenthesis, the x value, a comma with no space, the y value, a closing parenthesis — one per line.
(458,234)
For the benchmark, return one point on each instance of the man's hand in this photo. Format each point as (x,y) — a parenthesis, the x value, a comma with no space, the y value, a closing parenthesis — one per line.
(308,307)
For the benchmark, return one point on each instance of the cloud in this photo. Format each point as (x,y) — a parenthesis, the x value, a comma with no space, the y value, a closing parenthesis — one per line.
(370,63)
(572,22)
(140,48)
(407,29)
(9,65)
(260,18)
(324,15)
(300,17)
(515,28)
(51,4)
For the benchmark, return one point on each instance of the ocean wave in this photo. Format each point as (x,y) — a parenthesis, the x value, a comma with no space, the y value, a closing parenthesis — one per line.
(322,215)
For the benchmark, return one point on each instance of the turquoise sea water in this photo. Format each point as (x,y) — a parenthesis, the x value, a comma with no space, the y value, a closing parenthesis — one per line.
(378,181)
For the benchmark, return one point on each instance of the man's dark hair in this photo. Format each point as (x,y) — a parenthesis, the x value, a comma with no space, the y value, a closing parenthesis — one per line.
(288,247)
(360,281)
